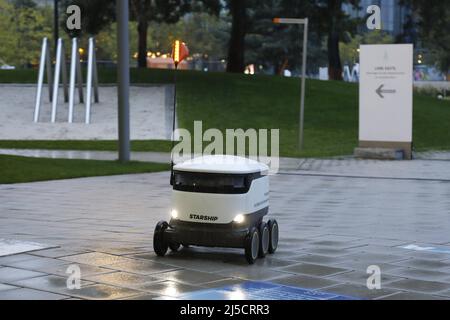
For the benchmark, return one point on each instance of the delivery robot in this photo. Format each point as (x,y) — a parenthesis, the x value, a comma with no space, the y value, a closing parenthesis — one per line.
(219,201)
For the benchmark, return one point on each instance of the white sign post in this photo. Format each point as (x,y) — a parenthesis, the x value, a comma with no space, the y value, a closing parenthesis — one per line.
(386,97)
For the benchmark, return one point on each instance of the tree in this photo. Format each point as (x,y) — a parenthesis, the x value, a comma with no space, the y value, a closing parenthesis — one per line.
(350,51)
(159,11)
(95,15)
(22,28)
(334,23)
(278,47)
(7,33)
(434,23)
(236,48)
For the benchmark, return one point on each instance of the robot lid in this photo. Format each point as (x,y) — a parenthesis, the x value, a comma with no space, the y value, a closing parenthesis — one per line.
(225,164)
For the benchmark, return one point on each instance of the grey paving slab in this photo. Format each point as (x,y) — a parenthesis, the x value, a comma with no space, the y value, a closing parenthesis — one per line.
(95,259)
(421,274)
(8,275)
(122,279)
(412,296)
(169,288)
(306,282)
(360,291)
(189,276)
(49,283)
(37,264)
(15,258)
(57,252)
(102,292)
(85,269)
(360,278)
(142,297)
(420,285)
(29,294)
(222,283)
(6,287)
(250,273)
(425,264)
(332,223)
(313,269)
(142,267)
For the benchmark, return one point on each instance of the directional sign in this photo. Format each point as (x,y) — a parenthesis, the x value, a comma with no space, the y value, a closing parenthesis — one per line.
(386,97)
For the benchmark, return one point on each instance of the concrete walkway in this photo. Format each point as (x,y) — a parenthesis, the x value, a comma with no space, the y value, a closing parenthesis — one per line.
(337,218)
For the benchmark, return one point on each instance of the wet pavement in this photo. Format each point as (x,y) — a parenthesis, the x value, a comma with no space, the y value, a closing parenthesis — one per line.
(337,218)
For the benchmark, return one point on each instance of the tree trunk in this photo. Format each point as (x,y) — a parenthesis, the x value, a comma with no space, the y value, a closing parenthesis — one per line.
(142,40)
(236,48)
(334,58)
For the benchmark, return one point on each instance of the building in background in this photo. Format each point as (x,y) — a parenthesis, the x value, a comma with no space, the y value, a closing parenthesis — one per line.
(394,16)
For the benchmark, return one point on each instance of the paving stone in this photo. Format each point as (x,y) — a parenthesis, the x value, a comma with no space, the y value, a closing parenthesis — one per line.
(86,270)
(189,276)
(411,296)
(50,283)
(328,215)
(169,288)
(360,278)
(313,269)
(306,282)
(15,258)
(8,275)
(29,294)
(363,266)
(317,259)
(103,292)
(96,259)
(122,279)
(37,264)
(420,285)
(6,287)
(142,297)
(361,292)
(57,252)
(141,267)
(251,273)
(424,264)
(222,283)
(421,274)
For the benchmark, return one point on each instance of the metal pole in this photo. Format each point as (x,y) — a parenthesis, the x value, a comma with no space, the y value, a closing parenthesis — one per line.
(89,82)
(302,103)
(123,79)
(40,80)
(73,66)
(55,22)
(59,54)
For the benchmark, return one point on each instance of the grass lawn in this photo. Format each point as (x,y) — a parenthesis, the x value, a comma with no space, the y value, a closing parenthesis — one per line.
(21,169)
(224,101)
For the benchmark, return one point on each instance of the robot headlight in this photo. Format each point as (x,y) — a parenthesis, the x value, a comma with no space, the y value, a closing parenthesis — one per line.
(239,218)
(174,214)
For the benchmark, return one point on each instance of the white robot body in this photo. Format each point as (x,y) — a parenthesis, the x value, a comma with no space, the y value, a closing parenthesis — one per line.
(219,201)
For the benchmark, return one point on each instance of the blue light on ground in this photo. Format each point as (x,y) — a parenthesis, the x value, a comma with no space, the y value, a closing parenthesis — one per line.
(255,290)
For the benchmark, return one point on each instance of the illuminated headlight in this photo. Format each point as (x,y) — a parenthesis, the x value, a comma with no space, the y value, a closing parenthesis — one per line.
(239,218)
(174,214)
